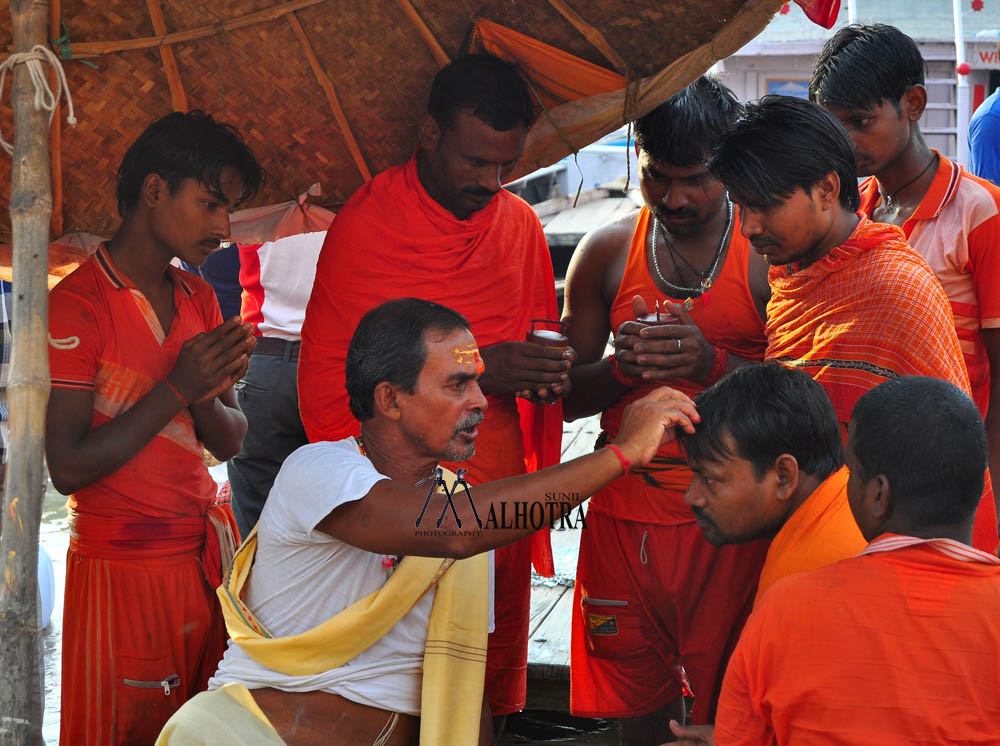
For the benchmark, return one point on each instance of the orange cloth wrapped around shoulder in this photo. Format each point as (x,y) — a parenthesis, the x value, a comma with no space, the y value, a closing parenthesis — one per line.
(896,646)
(821,531)
(392,240)
(868,311)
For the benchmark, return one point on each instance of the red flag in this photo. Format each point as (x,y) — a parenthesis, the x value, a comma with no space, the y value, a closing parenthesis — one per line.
(821,12)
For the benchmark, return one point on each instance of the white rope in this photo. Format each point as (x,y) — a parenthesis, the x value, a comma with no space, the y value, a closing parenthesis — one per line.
(387,730)
(45,98)
(68,343)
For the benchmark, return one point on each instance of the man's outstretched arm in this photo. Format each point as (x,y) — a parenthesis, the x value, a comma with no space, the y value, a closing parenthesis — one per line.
(384,520)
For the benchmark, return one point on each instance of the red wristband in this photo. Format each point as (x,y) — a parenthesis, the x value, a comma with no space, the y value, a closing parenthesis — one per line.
(620,375)
(626,464)
(179,394)
(718,366)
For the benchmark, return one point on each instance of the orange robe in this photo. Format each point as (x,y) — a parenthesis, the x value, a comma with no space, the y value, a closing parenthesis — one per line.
(392,240)
(821,531)
(868,311)
(897,646)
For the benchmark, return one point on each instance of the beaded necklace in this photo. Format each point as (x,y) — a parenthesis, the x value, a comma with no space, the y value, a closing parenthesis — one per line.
(707,277)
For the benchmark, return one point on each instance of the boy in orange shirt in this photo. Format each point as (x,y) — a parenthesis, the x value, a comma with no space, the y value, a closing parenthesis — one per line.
(142,373)
(872,79)
(852,304)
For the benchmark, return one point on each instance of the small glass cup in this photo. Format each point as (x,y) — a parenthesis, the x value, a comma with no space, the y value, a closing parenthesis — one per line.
(547,337)
(658,317)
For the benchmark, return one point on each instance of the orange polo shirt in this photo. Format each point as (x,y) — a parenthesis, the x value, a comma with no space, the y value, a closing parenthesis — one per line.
(899,645)
(105,337)
(956,228)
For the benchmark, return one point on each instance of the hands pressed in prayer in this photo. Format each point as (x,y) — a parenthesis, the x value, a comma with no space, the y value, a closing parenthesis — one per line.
(665,352)
(211,362)
(531,371)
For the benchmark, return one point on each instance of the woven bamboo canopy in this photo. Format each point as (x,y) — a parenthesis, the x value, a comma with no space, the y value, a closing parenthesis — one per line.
(329,91)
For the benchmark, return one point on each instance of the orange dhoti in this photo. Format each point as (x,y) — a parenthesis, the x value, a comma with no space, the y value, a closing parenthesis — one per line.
(654,604)
(141,635)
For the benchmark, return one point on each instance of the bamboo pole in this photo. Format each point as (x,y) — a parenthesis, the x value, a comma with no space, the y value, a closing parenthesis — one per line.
(437,51)
(55,135)
(85,49)
(177,96)
(591,34)
(331,96)
(30,209)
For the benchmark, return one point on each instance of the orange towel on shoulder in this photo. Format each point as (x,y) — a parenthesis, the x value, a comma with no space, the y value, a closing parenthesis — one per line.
(820,532)
(868,311)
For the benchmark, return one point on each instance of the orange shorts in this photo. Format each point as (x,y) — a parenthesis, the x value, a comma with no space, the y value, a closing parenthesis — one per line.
(651,604)
(140,637)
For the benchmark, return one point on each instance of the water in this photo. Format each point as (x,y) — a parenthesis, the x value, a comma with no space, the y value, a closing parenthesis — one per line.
(54,538)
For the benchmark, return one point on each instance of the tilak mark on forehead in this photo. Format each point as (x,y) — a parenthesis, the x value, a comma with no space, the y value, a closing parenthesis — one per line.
(469,355)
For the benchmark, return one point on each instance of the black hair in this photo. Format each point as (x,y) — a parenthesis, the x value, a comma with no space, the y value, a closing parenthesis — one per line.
(389,345)
(485,85)
(782,144)
(182,146)
(926,436)
(683,129)
(767,410)
(862,66)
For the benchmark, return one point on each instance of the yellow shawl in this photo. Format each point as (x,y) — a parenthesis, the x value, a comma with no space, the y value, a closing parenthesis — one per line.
(454,658)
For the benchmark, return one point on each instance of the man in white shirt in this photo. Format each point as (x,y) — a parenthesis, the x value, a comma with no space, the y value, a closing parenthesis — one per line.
(277,278)
(339,636)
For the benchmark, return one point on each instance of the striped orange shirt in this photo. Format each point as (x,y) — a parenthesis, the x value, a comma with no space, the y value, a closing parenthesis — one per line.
(868,311)
(956,228)
(105,337)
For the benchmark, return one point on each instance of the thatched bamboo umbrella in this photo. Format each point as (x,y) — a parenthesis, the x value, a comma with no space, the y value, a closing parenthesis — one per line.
(325,91)
(328,91)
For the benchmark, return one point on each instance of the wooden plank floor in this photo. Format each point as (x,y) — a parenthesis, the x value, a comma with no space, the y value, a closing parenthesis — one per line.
(552,605)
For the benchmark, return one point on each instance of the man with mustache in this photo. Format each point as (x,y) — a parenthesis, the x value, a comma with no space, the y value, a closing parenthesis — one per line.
(142,373)
(346,629)
(851,303)
(654,600)
(905,631)
(767,458)
(440,226)
(949,216)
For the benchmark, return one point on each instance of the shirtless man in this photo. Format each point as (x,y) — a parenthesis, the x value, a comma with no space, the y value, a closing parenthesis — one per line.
(647,581)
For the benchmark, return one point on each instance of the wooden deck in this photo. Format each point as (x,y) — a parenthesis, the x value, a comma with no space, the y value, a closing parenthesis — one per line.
(552,605)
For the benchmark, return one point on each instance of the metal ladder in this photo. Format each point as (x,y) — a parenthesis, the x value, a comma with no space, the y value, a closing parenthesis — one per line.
(940,120)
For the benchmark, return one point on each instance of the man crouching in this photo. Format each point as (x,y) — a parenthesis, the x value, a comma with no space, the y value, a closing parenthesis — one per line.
(347,627)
